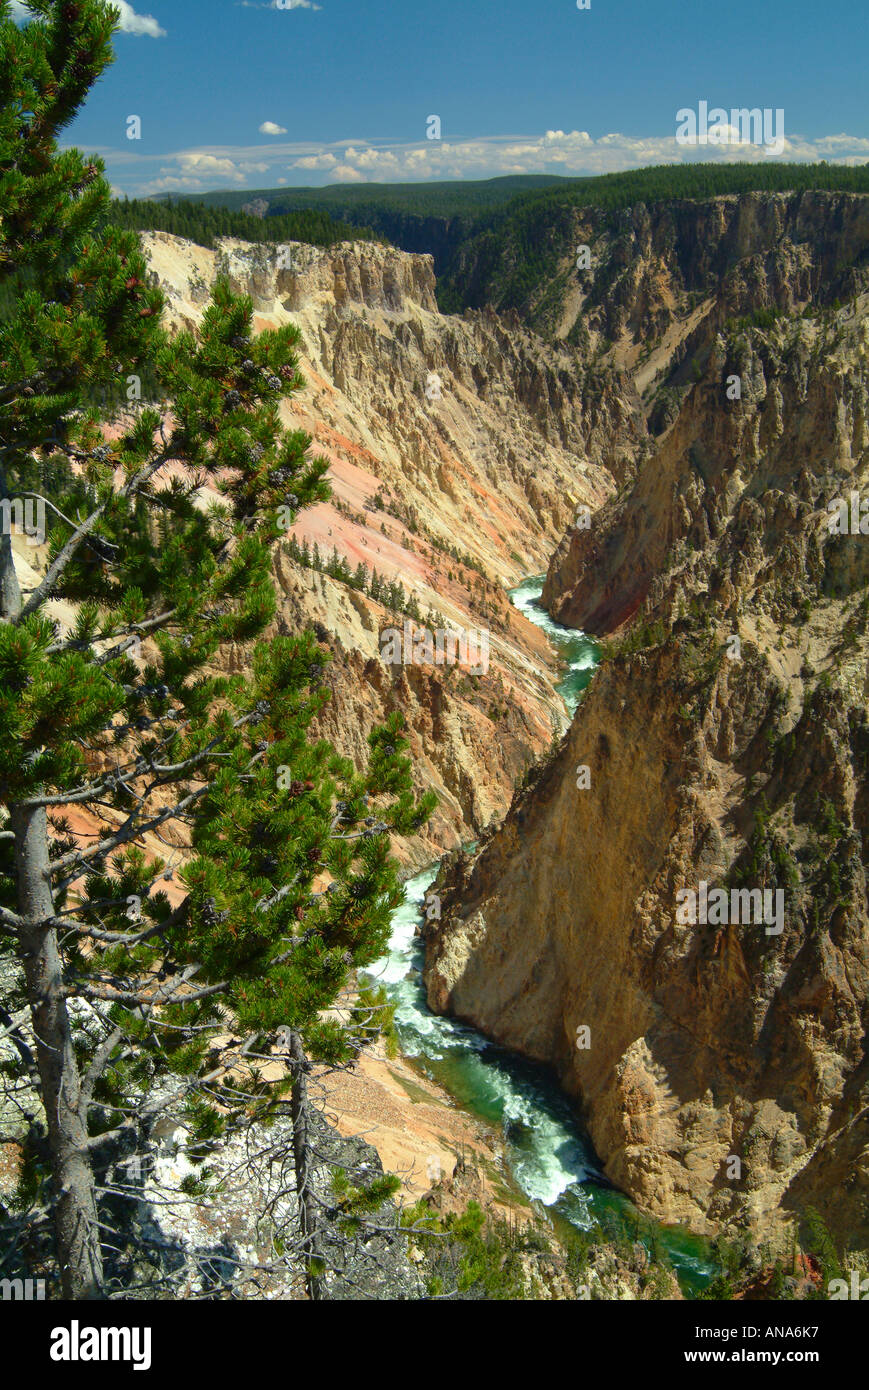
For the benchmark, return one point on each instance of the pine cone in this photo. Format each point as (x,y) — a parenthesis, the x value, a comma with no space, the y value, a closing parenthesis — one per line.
(210,916)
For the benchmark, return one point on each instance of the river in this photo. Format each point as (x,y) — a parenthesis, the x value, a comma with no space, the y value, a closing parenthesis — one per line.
(550,1158)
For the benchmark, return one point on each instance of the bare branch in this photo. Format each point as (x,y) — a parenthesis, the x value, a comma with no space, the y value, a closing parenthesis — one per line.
(98,1065)
(129,831)
(55,570)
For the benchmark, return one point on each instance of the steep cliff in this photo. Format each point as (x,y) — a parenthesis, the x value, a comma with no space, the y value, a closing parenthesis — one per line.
(723,1076)
(459,448)
(652,262)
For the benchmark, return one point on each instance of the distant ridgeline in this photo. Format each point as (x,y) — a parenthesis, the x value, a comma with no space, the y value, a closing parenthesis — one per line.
(204,224)
(430,218)
(494,241)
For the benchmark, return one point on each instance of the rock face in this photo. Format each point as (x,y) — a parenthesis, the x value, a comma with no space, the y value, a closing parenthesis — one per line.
(459,449)
(753,471)
(652,264)
(723,1075)
(735,254)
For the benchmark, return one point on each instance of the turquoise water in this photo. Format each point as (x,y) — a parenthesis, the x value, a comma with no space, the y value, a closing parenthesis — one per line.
(548,1154)
(579,652)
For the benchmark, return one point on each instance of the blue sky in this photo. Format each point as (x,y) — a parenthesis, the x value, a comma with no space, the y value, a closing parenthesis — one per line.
(247,95)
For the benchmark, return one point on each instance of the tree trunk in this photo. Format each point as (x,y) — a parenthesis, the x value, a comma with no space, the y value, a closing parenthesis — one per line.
(301,1156)
(10,593)
(75,1208)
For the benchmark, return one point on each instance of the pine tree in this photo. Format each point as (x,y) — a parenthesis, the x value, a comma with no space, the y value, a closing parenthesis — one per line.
(120,713)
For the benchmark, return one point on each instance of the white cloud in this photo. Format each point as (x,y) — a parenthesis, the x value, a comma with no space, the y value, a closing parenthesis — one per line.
(196,171)
(277,5)
(269,128)
(569,153)
(316,161)
(209,163)
(130,22)
(344,174)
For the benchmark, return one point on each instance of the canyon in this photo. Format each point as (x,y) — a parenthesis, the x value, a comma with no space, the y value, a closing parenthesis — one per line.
(456,497)
(721,1072)
(709,522)
(594,433)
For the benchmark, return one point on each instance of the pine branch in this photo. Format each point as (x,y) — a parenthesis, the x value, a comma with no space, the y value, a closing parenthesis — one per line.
(67,554)
(128,832)
(122,938)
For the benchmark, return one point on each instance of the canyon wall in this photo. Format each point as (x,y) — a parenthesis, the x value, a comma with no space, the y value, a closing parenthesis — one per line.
(652,264)
(459,448)
(723,1076)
